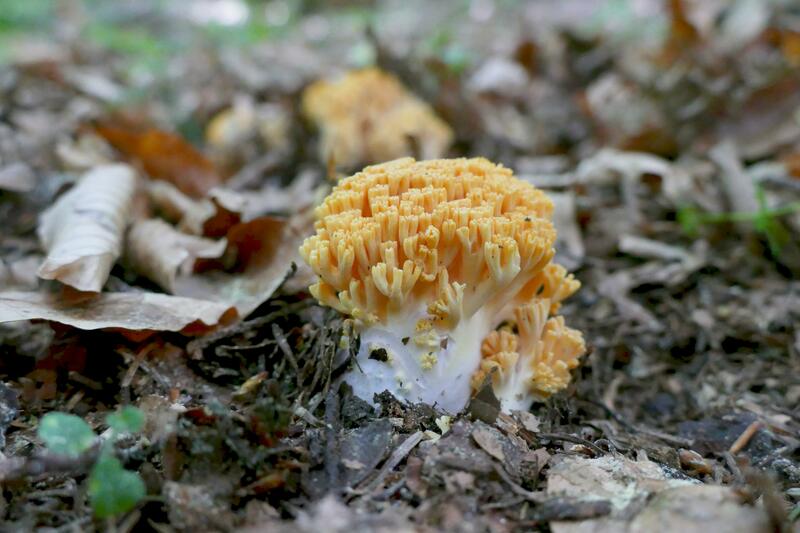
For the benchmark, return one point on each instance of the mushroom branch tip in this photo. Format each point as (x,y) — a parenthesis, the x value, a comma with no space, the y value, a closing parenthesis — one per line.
(445,267)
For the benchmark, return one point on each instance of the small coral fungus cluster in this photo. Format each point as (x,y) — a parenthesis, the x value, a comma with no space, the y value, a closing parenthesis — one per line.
(368,116)
(445,267)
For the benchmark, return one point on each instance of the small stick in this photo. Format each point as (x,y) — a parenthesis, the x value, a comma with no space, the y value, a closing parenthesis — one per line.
(73,401)
(573,439)
(730,460)
(535,497)
(745,437)
(128,379)
(397,456)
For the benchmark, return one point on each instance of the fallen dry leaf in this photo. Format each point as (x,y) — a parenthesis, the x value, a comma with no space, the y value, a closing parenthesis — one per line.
(20,273)
(132,311)
(17,177)
(608,477)
(160,252)
(646,497)
(489,441)
(608,165)
(210,217)
(84,153)
(264,250)
(331,515)
(162,155)
(82,232)
(627,117)
(570,250)
(699,509)
(765,122)
(738,186)
(682,37)
(232,126)
(302,193)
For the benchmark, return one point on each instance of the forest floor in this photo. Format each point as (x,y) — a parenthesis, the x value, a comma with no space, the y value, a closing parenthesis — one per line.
(668,134)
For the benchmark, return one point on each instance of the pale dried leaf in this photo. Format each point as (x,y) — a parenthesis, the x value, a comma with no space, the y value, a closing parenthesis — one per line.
(20,273)
(738,185)
(134,311)
(651,249)
(332,516)
(35,49)
(265,249)
(232,126)
(614,478)
(82,232)
(301,194)
(569,243)
(647,497)
(609,165)
(500,76)
(743,23)
(489,441)
(93,82)
(192,215)
(162,416)
(616,288)
(84,153)
(227,199)
(623,111)
(17,177)
(160,252)
(700,509)
(529,421)
(188,213)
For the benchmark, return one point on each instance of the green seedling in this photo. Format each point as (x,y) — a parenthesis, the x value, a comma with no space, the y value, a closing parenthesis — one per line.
(112,489)
(765,221)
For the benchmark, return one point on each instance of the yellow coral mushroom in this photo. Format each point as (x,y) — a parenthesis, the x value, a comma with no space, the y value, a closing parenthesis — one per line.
(368,116)
(535,362)
(429,258)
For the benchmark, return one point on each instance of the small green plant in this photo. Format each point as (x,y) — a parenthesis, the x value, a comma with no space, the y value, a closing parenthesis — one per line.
(453,55)
(112,489)
(794,514)
(765,220)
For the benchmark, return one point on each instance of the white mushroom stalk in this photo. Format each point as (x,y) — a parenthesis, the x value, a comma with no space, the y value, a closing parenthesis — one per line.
(429,258)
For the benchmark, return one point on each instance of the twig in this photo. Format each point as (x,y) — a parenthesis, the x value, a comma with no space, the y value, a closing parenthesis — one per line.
(73,401)
(397,456)
(394,487)
(535,497)
(134,366)
(610,396)
(573,439)
(666,437)
(503,504)
(730,460)
(745,437)
(283,344)
(332,438)
(16,468)
(561,509)
(250,174)
(737,185)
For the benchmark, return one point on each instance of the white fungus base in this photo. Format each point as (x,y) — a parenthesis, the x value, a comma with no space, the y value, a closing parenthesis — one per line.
(514,392)
(446,384)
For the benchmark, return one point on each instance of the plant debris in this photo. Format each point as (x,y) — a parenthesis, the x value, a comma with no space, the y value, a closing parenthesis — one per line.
(159,170)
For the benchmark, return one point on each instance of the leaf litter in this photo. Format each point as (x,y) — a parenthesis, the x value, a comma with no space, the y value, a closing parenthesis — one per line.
(84,230)
(667,132)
